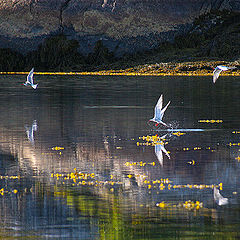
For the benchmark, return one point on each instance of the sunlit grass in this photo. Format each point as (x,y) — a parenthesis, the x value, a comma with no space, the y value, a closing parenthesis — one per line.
(200,68)
(124,73)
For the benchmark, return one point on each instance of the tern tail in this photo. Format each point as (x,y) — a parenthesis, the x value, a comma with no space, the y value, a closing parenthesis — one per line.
(34,86)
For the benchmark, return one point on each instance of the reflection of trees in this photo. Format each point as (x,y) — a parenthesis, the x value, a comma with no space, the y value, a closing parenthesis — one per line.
(57,52)
(105,215)
(119,217)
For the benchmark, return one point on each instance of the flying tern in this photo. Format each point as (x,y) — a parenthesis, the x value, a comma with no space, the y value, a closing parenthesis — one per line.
(159,112)
(30,80)
(218,70)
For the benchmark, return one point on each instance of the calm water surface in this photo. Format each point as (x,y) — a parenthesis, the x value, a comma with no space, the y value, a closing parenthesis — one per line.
(79,161)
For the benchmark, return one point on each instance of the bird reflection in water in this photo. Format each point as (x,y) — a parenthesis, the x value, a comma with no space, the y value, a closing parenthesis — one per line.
(218,198)
(30,131)
(158,143)
(159,149)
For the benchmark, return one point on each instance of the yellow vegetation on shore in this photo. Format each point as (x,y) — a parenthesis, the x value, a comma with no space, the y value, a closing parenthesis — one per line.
(157,69)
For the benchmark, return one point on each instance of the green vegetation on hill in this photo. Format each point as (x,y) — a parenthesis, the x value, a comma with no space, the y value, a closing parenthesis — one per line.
(213,36)
(11,60)
(56,53)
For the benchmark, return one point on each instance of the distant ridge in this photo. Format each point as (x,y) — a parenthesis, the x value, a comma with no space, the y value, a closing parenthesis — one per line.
(124,26)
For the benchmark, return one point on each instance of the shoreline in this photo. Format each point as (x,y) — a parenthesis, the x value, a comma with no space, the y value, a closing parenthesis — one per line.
(199,68)
(121,74)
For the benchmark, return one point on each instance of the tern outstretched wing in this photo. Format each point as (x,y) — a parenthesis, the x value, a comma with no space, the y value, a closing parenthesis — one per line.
(34,86)
(30,76)
(159,154)
(158,107)
(164,109)
(159,149)
(159,112)
(216,74)
(165,151)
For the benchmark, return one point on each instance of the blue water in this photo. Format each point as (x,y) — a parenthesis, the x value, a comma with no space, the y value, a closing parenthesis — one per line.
(77,160)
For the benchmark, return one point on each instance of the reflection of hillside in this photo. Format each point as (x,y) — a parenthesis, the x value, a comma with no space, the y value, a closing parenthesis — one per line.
(108,157)
(108,216)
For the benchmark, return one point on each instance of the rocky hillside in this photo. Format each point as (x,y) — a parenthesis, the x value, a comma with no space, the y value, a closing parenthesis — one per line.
(122,25)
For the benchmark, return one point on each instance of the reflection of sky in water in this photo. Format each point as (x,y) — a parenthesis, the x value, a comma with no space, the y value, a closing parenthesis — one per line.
(94,124)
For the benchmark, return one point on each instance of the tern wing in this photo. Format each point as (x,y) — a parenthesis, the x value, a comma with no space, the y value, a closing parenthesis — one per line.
(231,68)
(30,76)
(163,123)
(34,86)
(163,137)
(158,108)
(165,151)
(216,74)
(34,125)
(164,109)
(159,154)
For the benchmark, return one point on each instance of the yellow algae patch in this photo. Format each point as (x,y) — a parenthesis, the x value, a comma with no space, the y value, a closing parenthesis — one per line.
(236,132)
(141,164)
(84,179)
(192,162)
(151,141)
(238,158)
(189,205)
(2,191)
(234,144)
(161,204)
(210,121)
(154,138)
(192,205)
(161,186)
(178,134)
(166,184)
(10,177)
(197,148)
(57,148)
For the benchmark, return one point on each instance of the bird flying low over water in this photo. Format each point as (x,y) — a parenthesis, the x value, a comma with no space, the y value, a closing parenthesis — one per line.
(218,70)
(30,80)
(219,199)
(159,112)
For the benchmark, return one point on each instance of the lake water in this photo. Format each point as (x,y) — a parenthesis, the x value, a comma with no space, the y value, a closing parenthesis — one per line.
(79,161)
